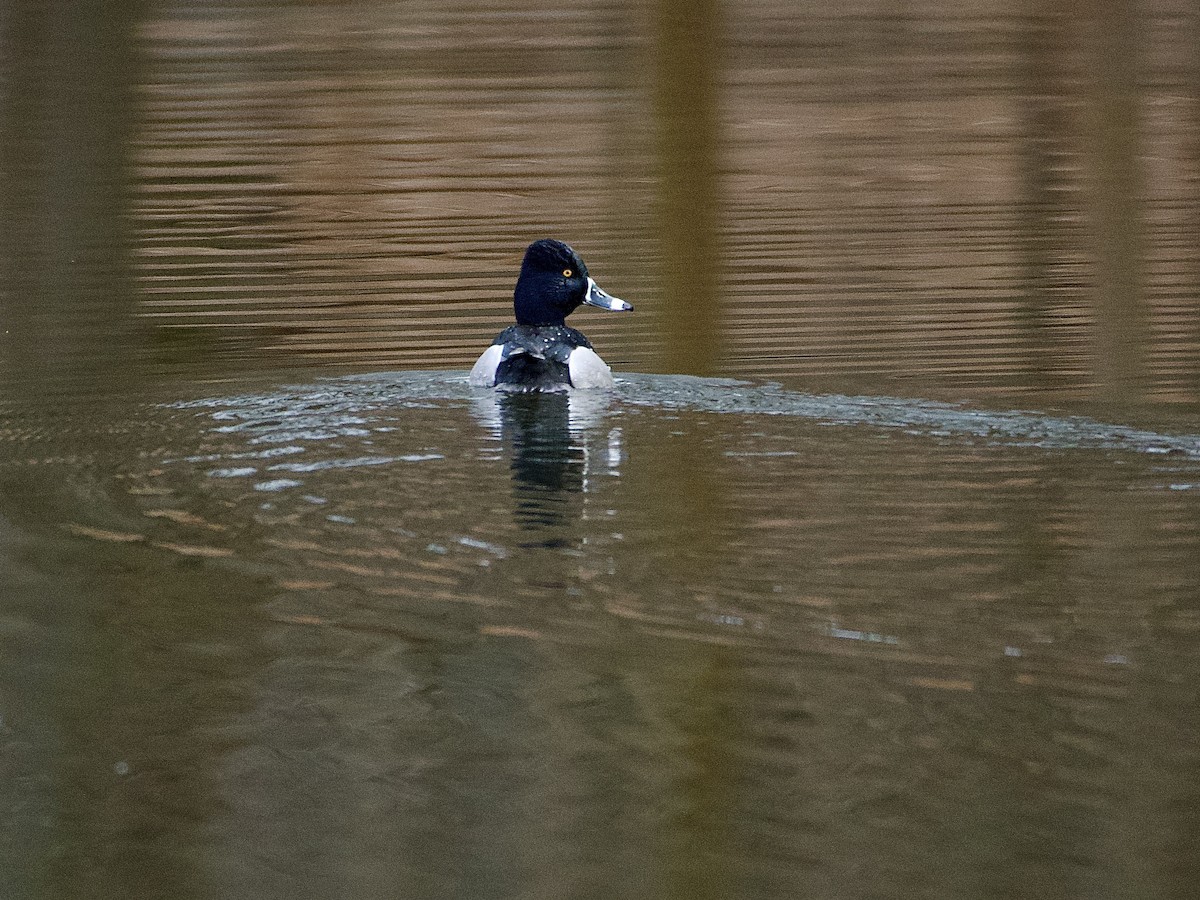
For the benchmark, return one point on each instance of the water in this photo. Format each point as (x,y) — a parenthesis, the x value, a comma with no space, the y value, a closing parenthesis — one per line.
(389,634)
(899,599)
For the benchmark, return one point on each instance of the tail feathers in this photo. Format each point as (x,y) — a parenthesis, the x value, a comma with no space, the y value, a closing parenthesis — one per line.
(524,372)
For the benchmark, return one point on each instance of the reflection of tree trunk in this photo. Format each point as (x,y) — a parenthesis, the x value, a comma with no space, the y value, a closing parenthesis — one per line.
(626,200)
(1116,193)
(700,838)
(1183,824)
(687,41)
(67,306)
(1043,234)
(1190,288)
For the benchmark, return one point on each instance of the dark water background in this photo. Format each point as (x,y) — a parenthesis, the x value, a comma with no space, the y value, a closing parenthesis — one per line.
(901,599)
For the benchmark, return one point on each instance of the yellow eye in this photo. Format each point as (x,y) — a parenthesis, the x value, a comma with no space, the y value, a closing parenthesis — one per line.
(567,273)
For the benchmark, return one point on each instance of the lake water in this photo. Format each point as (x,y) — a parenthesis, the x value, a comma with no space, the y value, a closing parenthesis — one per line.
(878,574)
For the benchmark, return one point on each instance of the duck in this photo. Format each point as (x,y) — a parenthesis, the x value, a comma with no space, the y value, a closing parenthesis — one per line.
(541,352)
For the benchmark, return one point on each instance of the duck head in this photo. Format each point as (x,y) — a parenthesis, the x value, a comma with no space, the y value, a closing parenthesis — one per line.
(553,283)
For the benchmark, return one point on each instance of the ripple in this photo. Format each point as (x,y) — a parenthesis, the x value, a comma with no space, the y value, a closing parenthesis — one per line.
(279,484)
(345,407)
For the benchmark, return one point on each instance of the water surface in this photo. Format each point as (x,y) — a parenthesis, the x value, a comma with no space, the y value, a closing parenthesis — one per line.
(900,600)
(391,634)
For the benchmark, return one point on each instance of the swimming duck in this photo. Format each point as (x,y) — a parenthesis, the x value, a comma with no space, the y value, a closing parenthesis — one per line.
(540,352)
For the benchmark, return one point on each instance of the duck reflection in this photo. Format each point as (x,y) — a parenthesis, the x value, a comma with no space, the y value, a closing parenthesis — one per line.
(557,448)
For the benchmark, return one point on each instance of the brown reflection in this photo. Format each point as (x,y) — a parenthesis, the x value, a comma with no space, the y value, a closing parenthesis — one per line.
(704,829)
(67,110)
(1047,231)
(1116,190)
(119,741)
(679,478)
(688,47)
(1186,374)
(902,193)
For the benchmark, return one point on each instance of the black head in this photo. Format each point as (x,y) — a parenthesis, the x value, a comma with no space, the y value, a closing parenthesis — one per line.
(553,283)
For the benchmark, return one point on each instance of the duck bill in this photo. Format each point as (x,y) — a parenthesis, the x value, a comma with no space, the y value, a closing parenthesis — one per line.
(597,296)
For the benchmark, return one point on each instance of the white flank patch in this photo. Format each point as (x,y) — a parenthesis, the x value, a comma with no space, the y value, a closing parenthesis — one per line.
(588,371)
(483,373)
